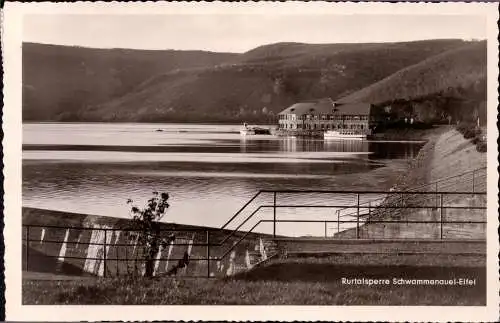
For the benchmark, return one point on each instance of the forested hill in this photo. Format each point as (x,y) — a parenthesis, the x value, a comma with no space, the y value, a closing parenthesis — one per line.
(80,84)
(456,68)
(64,79)
(452,83)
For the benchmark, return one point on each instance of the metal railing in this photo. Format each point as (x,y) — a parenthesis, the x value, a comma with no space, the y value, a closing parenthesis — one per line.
(202,237)
(373,211)
(137,257)
(362,218)
(472,179)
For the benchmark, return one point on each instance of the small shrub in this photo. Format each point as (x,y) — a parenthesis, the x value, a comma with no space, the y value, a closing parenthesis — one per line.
(471,133)
(461,128)
(481,146)
(475,140)
(464,128)
(146,222)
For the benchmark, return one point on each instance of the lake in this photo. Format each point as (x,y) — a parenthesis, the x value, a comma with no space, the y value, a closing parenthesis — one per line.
(210,171)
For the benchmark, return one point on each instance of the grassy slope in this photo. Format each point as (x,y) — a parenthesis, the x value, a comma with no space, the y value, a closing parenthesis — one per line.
(457,68)
(58,80)
(446,154)
(291,282)
(144,89)
(453,154)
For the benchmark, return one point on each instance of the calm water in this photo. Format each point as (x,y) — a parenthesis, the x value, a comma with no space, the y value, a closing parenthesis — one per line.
(210,171)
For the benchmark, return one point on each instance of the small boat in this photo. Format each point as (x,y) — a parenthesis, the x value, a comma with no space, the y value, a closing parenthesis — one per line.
(344,135)
(247,130)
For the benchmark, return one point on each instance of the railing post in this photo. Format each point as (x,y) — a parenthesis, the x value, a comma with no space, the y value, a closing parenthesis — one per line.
(473,178)
(436,195)
(118,261)
(325,229)
(357,219)
(126,252)
(27,247)
(441,215)
(274,214)
(208,254)
(338,221)
(104,253)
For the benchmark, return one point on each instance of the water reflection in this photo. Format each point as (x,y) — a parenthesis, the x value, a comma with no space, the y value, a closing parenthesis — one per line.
(348,145)
(210,171)
(391,150)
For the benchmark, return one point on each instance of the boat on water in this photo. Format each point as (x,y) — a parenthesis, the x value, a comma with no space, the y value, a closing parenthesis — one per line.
(344,135)
(247,130)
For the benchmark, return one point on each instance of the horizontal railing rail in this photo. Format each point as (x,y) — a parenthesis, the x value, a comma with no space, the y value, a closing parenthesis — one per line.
(433,185)
(442,222)
(190,236)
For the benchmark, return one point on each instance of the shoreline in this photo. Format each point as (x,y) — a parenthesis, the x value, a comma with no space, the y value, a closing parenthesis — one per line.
(390,135)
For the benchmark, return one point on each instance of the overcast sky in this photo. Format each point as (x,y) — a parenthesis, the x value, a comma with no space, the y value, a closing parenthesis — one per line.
(239,33)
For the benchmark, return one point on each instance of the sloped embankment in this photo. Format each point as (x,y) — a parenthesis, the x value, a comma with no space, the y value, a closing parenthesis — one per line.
(445,156)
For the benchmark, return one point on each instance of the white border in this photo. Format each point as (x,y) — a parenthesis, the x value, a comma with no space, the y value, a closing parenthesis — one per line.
(12,34)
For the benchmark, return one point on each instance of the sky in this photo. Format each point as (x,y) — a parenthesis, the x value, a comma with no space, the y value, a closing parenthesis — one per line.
(242,32)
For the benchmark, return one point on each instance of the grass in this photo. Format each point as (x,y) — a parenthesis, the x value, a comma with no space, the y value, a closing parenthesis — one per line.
(306,281)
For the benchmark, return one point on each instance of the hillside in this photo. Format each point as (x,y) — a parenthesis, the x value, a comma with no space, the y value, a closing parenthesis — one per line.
(252,86)
(452,83)
(459,67)
(60,79)
(261,82)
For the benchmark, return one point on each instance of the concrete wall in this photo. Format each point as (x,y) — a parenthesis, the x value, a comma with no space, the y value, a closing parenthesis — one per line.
(406,230)
(71,252)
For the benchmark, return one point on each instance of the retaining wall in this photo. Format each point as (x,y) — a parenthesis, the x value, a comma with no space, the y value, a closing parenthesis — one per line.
(115,251)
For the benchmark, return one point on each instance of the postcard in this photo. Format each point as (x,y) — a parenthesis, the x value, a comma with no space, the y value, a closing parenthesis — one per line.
(251,161)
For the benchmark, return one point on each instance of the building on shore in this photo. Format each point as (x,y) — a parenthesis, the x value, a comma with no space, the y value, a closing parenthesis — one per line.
(317,116)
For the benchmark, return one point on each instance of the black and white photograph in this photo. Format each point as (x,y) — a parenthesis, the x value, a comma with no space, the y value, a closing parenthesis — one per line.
(298,154)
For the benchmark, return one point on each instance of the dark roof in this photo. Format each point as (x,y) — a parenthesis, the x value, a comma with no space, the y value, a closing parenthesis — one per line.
(327,106)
